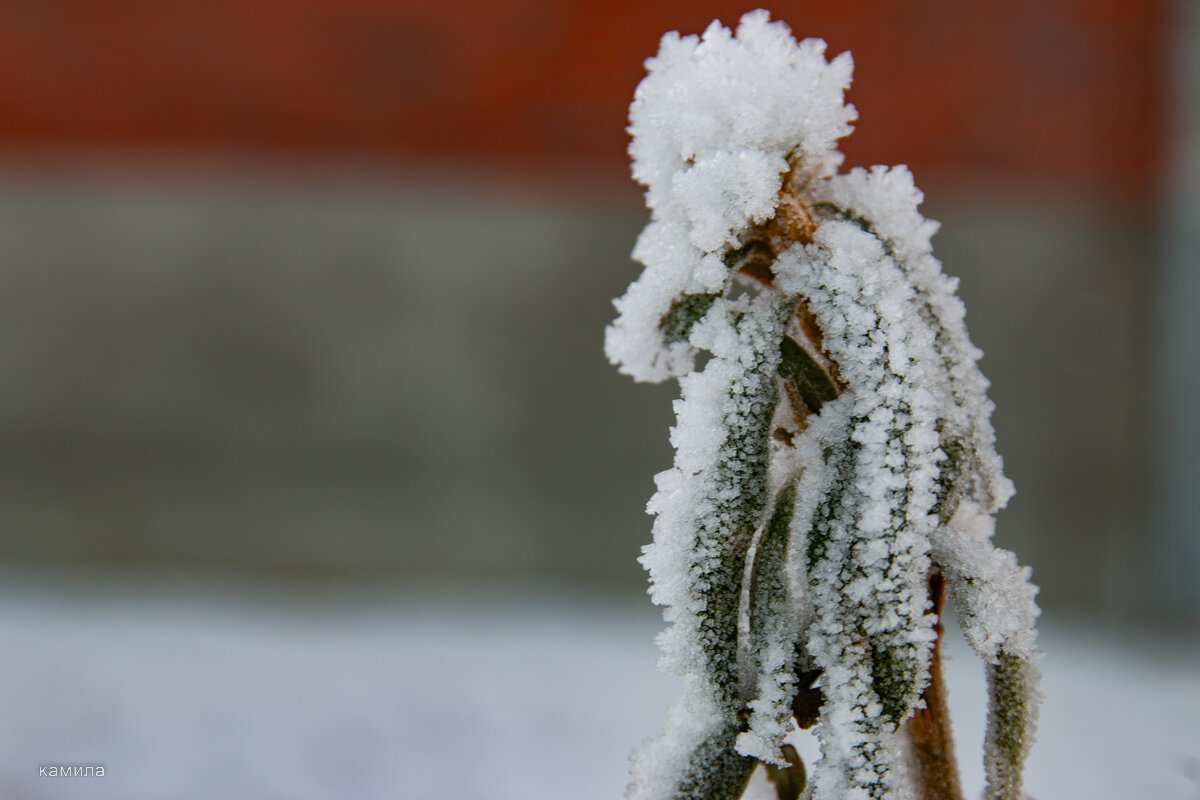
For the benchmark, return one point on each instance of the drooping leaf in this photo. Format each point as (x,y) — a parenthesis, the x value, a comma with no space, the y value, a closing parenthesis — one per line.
(802,372)
(952,479)
(789,781)
(772,631)
(1011,720)
(676,325)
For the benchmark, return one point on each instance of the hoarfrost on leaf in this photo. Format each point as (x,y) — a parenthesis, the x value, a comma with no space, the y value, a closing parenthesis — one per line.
(834,456)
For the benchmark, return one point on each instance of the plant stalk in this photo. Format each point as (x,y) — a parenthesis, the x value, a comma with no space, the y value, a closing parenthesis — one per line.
(935,766)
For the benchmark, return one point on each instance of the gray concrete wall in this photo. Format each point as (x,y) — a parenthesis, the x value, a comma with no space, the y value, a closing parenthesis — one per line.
(346,379)
(1176,330)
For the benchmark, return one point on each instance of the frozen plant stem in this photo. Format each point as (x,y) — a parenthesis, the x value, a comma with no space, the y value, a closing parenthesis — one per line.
(835,463)
(936,773)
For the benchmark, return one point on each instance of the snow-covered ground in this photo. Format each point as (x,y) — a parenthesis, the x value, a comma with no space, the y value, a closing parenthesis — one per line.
(187,690)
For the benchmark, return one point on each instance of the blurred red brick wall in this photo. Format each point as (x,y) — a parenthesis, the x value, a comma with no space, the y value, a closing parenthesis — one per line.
(1064,96)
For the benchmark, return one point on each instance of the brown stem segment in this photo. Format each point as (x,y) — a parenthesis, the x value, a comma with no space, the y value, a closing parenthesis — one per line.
(935,767)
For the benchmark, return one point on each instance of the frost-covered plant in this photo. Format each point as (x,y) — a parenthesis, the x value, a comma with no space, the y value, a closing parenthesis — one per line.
(835,459)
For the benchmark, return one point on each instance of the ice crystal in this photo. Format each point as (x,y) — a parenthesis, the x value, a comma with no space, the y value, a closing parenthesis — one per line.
(835,447)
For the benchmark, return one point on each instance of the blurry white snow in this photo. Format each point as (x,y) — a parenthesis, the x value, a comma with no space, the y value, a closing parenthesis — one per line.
(183,689)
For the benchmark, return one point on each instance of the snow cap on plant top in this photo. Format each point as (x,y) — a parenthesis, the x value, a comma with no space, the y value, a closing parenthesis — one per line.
(714,124)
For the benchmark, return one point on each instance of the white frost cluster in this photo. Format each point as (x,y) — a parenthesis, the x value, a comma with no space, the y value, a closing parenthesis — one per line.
(714,125)
(835,447)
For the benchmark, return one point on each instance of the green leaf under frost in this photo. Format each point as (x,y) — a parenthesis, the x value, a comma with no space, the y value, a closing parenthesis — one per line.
(737,488)
(738,256)
(952,479)
(789,781)
(1010,724)
(894,675)
(715,770)
(768,581)
(807,377)
(676,325)
(888,665)
(858,219)
(840,461)
(729,528)
(769,612)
